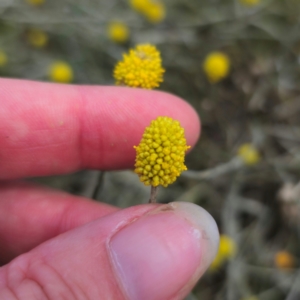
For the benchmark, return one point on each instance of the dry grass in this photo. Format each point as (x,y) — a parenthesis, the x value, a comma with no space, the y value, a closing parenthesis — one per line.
(258,206)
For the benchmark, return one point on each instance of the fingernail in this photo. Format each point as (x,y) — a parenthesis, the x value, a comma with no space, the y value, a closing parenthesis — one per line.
(165,252)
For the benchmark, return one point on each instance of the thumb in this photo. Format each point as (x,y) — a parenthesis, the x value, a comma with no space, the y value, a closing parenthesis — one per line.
(149,252)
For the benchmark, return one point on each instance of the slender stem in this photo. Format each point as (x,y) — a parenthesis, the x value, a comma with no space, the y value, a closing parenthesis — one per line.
(153,194)
(98,186)
(222,169)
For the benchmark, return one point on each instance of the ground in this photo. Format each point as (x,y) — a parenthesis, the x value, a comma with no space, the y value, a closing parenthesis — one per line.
(255,201)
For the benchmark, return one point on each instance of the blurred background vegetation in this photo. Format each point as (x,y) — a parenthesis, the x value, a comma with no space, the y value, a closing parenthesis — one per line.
(245,170)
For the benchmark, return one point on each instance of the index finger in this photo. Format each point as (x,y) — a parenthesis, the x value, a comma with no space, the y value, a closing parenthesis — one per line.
(50,129)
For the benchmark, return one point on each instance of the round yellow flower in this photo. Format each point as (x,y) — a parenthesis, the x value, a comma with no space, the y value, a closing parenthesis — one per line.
(160,154)
(140,68)
(250,2)
(61,72)
(35,2)
(284,260)
(37,38)
(249,154)
(3,58)
(155,12)
(118,32)
(216,66)
(227,250)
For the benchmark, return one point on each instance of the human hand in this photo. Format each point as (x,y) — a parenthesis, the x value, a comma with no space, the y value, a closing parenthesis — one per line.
(59,246)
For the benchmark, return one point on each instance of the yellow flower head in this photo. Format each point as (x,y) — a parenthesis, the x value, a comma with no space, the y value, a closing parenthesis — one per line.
(35,2)
(160,154)
(250,2)
(140,68)
(37,38)
(249,154)
(216,66)
(118,32)
(61,72)
(284,260)
(3,58)
(155,12)
(227,250)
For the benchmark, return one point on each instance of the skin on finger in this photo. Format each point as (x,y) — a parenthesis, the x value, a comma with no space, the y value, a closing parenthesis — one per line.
(148,252)
(54,129)
(30,215)
(78,258)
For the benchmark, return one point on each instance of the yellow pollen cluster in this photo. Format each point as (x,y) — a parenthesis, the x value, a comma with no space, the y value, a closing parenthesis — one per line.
(153,10)
(61,72)
(160,154)
(118,32)
(37,38)
(216,66)
(141,67)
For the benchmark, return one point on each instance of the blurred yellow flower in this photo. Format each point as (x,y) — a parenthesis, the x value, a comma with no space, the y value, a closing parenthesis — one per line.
(61,72)
(141,67)
(249,154)
(227,250)
(35,2)
(250,2)
(37,38)
(139,5)
(161,152)
(217,262)
(216,66)
(118,32)
(284,260)
(153,10)
(3,58)
(227,247)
